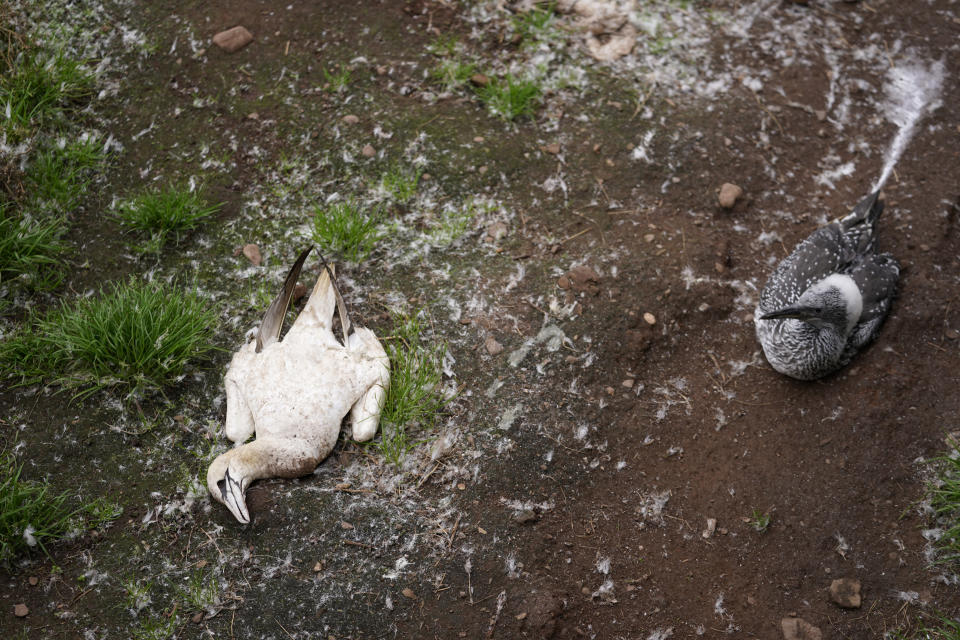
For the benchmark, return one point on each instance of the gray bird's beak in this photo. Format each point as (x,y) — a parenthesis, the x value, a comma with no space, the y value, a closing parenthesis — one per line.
(231,492)
(796,311)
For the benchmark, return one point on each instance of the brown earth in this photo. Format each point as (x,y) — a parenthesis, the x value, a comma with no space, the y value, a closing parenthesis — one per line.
(684,411)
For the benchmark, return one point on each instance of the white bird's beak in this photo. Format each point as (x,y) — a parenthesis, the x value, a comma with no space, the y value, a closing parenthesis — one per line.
(231,494)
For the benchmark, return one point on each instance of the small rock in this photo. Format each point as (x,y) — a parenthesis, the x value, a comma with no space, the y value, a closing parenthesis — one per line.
(711,528)
(480,79)
(197,618)
(552,148)
(340,486)
(649,238)
(408,593)
(649,318)
(33,580)
(483,169)
(252,253)
(478,139)
(368,151)
(521,616)
(317,568)
(497,231)
(461,486)
(21,610)
(953,334)
(729,193)
(628,383)
(492,346)
(799,629)
(845,593)
(821,114)
(299,291)
(525,516)
(426,177)
(751,601)
(582,278)
(232,40)
(350,119)
(253,115)
(346,525)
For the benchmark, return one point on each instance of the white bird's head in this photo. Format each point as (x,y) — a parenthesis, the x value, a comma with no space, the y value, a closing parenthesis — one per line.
(228,488)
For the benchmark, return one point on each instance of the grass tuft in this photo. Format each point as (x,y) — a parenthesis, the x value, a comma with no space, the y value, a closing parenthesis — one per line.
(32,516)
(535,25)
(40,87)
(414,400)
(510,97)
(452,74)
(60,175)
(201,593)
(343,230)
(944,494)
(30,249)
(453,222)
(161,213)
(337,81)
(139,335)
(401,184)
(759,520)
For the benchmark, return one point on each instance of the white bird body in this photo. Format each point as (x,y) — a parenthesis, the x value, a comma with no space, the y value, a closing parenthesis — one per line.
(293,394)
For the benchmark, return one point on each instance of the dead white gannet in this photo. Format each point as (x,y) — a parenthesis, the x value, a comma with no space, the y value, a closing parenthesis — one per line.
(295,392)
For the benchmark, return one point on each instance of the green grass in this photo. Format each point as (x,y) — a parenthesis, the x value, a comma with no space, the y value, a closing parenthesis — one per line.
(401,183)
(165,212)
(510,97)
(60,175)
(38,88)
(444,45)
(536,25)
(944,495)
(201,592)
(32,516)
(137,593)
(759,520)
(30,248)
(155,628)
(137,335)
(930,627)
(337,81)
(452,222)
(344,231)
(452,74)
(414,399)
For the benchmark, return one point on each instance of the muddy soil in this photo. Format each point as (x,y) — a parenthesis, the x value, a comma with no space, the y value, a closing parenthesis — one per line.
(577,497)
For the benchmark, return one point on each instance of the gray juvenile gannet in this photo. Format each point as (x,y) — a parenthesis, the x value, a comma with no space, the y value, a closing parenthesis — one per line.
(828,298)
(294,393)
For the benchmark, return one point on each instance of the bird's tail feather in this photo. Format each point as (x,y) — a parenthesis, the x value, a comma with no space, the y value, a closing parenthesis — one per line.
(866,212)
(272,321)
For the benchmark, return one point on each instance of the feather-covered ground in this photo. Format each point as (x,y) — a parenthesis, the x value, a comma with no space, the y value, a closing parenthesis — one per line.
(617,433)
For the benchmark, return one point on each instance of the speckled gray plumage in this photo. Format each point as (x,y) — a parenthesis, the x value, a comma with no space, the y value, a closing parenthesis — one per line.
(811,349)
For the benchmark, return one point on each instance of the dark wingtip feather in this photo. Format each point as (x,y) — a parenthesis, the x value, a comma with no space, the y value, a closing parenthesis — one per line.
(272,321)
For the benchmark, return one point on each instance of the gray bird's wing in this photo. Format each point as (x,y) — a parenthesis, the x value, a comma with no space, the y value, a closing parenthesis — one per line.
(273,318)
(825,251)
(876,277)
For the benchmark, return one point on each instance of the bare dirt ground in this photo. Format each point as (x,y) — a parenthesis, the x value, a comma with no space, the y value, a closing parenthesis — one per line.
(580,477)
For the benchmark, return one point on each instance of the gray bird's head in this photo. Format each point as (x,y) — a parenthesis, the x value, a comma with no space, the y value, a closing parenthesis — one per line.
(833,302)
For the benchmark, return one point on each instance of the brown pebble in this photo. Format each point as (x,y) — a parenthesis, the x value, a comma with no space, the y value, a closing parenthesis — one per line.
(845,593)
(21,610)
(232,40)
(317,568)
(33,580)
(368,151)
(298,292)
(408,593)
(649,318)
(478,139)
(729,193)
(628,383)
(350,119)
(346,525)
(480,79)
(953,334)
(197,618)
(552,148)
(492,346)
(252,253)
